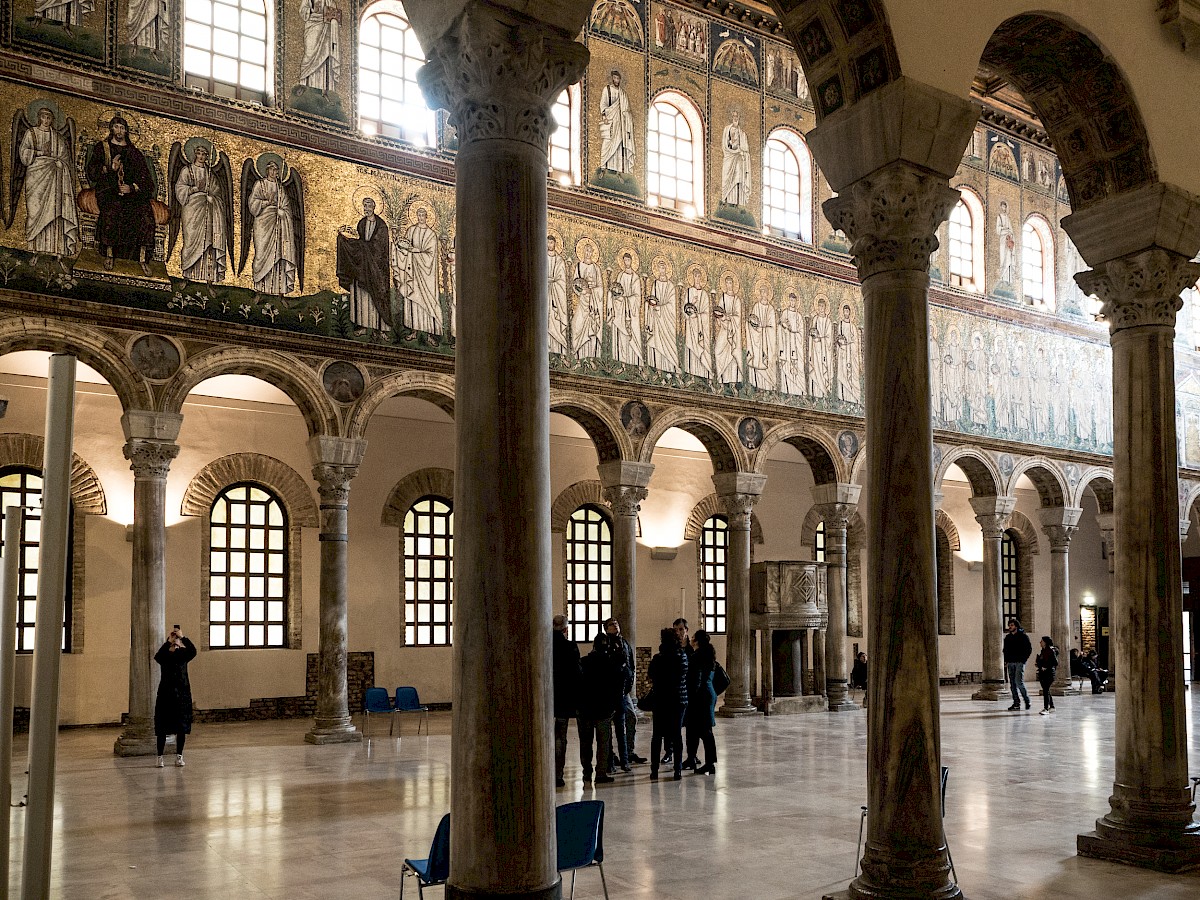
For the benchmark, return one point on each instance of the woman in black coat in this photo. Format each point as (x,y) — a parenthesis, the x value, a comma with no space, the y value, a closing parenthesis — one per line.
(669,677)
(173,706)
(702,703)
(1047,665)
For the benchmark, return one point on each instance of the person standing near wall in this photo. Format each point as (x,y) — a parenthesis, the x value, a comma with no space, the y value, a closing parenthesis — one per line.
(1017,650)
(1047,665)
(173,706)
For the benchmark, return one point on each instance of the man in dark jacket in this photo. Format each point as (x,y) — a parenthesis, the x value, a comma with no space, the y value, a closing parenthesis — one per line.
(625,721)
(566,693)
(1017,650)
(601,684)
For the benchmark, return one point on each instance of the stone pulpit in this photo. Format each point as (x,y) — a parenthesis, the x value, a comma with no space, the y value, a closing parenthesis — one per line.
(789,611)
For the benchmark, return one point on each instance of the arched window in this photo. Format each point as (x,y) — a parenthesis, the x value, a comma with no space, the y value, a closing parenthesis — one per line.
(566,139)
(819,543)
(1037,262)
(589,571)
(225,47)
(674,155)
(248,565)
(22,486)
(714,548)
(965,244)
(429,573)
(1010,577)
(787,186)
(944,557)
(390,102)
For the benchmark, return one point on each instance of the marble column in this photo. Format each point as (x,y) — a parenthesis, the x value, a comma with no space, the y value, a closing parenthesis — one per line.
(499,75)
(1150,820)
(624,485)
(890,157)
(1060,523)
(149,446)
(836,503)
(335,463)
(992,514)
(738,492)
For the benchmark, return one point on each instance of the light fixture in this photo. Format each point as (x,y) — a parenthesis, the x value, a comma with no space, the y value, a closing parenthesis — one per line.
(664,552)
(975,565)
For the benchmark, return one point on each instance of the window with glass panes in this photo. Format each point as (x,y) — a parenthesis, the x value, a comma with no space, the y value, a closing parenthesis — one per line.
(20,486)
(429,573)
(589,571)
(819,543)
(962,248)
(1010,587)
(248,563)
(783,187)
(670,157)
(390,102)
(560,138)
(225,47)
(714,547)
(1032,263)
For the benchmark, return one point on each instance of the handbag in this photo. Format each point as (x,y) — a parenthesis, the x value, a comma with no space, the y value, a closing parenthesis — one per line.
(720,678)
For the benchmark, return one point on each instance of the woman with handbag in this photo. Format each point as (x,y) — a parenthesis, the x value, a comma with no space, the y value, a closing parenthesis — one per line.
(669,676)
(702,703)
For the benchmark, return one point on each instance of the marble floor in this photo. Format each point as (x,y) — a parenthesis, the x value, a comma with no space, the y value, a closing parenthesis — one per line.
(258,813)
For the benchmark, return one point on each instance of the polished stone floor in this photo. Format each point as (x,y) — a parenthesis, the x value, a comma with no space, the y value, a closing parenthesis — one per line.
(259,813)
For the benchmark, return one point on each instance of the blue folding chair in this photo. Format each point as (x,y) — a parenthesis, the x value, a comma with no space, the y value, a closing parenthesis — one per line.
(579,827)
(407,701)
(436,868)
(377,701)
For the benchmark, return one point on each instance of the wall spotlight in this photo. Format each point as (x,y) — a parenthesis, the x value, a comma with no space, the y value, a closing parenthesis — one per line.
(975,565)
(664,552)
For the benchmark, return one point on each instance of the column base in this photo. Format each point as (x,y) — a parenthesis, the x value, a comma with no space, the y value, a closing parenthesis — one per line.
(858,895)
(554,892)
(728,711)
(136,743)
(333,733)
(844,705)
(990,690)
(1172,853)
(1068,691)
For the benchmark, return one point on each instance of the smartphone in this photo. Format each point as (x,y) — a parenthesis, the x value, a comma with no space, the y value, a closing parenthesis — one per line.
(176,627)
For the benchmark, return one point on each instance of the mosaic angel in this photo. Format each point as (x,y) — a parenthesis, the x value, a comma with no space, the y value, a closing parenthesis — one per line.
(201,207)
(273,204)
(43,166)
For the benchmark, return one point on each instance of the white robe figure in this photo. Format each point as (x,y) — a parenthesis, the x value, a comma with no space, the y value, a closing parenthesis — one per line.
(1018,372)
(1039,393)
(935,373)
(791,351)
(322,62)
(1008,245)
(976,378)
(69,12)
(1083,400)
(1102,368)
(952,377)
(626,313)
(735,165)
(698,356)
(727,331)
(662,328)
(1001,384)
(51,219)
(559,309)
(762,344)
(203,222)
(616,129)
(849,349)
(415,265)
(587,322)
(149,24)
(820,354)
(1060,396)
(275,251)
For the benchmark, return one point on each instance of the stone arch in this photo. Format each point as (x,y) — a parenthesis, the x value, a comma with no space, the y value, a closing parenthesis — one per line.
(94,347)
(1189,492)
(429,386)
(87,493)
(946,525)
(945,546)
(611,440)
(1022,531)
(977,465)
(845,48)
(573,497)
(411,488)
(1099,479)
(712,506)
(1082,100)
(717,436)
(1019,522)
(285,372)
(1050,482)
(827,464)
(281,478)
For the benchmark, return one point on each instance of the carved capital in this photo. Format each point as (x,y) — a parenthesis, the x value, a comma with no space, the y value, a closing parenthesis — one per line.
(499,75)
(333,483)
(625,499)
(892,217)
(150,459)
(738,508)
(993,525)
(836,517)
(1142,288)
(1060,536)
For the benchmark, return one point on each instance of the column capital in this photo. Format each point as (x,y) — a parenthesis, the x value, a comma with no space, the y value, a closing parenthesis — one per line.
(837,492)
(150,459)
(1141,288)
(623,472)
(992,514)
(333,483)
(1184,526)
(1157,215)
(625,499)
(151,425)
(336,451)
(836,517)
(738,492)
(891,218)
(1060,516)
(499,72)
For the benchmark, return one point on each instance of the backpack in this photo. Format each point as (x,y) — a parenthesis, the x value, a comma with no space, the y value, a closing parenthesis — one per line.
(720,678)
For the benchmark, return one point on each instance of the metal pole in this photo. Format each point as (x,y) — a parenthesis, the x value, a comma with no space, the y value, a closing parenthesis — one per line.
(47,634)
(14,518)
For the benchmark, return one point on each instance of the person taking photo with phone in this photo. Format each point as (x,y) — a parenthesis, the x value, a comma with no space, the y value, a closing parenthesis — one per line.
(173,706)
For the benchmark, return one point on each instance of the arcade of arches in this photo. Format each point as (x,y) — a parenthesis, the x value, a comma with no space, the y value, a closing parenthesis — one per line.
(836,326)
